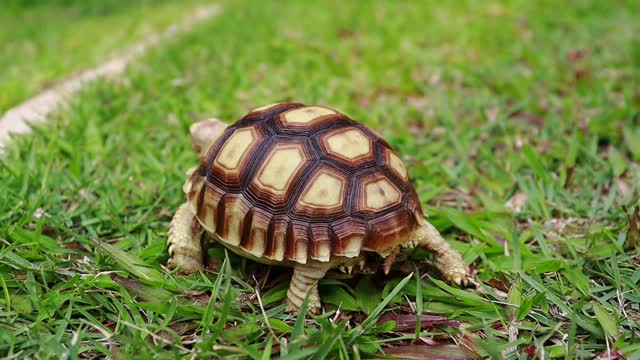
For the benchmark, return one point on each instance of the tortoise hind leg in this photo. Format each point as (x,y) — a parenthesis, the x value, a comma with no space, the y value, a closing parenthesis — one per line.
(305,281)
(447,260)
(184,241)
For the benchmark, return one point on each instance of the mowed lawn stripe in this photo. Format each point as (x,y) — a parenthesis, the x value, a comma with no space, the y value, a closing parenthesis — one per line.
(44,42)
(18,120)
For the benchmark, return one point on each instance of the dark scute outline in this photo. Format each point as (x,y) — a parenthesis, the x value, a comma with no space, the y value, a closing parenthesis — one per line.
(220,215)
(367,130)
(312,245)
(327,121)
(258,198)
(355,193)
(336,160)
(257,116)
(390,173)
(299,188)
(270,245)
(253,155)
(215,149)
(247,223)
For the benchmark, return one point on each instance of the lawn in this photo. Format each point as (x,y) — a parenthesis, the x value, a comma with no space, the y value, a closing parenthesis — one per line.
(519,123)
(44,41)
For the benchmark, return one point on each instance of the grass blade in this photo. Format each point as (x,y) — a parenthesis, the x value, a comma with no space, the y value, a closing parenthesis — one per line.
(368,294)
(419,302)
(370,321)
(134,265)
(606,321)
(298,326)
(327,344)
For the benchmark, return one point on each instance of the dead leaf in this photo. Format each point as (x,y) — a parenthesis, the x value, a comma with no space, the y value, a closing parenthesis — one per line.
(575,55)
(502,240)
(409,322)
(530,350)
(532,119)
(420,103)
(198,297)
(345,33)
(584,126)
(443,352)
(623,188)
(456,197)
(499,284)
(580,74)
(363,101)
(164,212)
(518,143)
(567,182)
(127,283)
(112,241)
(212,265)
(491,114)
(74,245)
(245,297)
(614,354)
(512,332)
(517,202)
(163,339)
(116,353)
(633,234)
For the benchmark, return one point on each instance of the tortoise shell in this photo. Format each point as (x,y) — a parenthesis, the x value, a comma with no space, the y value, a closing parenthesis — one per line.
(295,182)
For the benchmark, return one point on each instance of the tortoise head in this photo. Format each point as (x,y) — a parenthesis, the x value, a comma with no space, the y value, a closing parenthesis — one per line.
(204,134)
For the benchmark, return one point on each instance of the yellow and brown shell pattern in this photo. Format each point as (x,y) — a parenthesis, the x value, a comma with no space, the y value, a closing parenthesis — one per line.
(296,182)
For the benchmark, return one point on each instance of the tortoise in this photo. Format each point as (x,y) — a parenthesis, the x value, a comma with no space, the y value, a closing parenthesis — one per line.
(304,187)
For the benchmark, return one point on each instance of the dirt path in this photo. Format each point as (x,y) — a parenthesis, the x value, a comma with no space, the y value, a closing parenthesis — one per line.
(36,109)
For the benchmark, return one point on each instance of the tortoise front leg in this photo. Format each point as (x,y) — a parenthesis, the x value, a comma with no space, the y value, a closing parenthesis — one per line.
(184,241)
(305,281)
(448,260)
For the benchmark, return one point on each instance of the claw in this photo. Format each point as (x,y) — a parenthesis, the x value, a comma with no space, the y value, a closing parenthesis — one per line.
(342,269)
(460,280)
(361,264)
(350,269)
(410,244)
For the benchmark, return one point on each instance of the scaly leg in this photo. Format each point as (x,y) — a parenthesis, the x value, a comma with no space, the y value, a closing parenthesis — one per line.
(304,280)
(184,241)
(448,260)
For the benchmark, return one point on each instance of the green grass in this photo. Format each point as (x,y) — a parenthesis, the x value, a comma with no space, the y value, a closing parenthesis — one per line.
(44,41)
(487,102)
